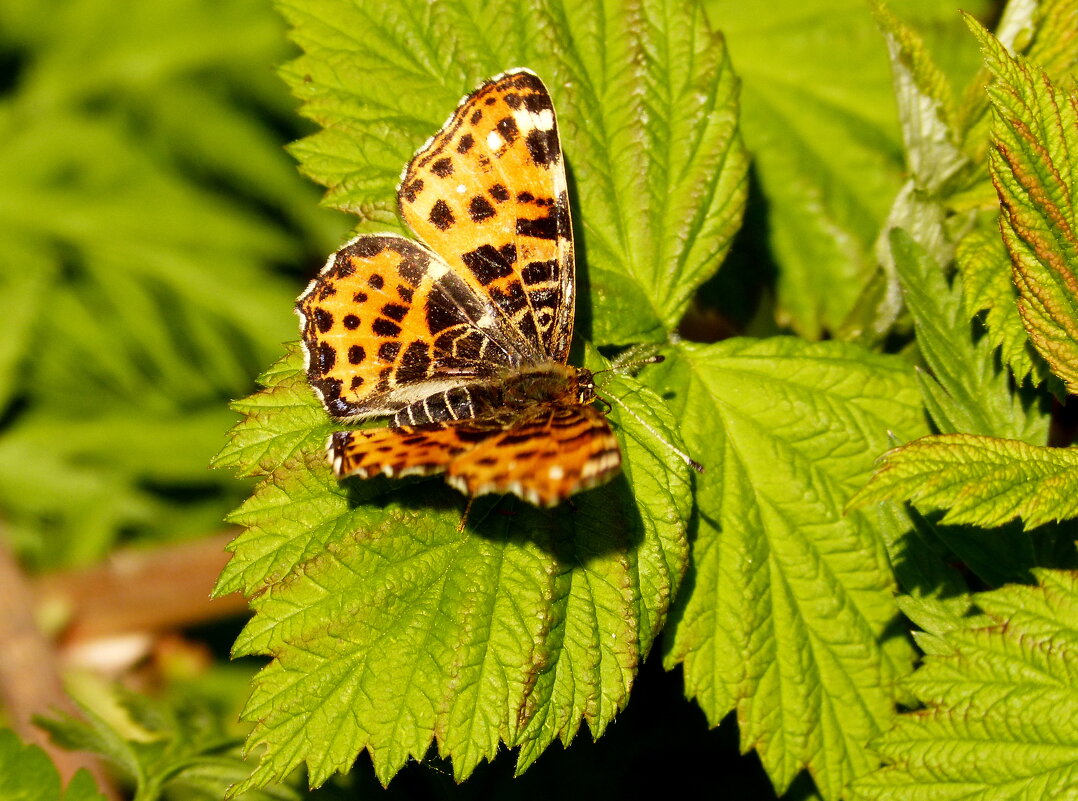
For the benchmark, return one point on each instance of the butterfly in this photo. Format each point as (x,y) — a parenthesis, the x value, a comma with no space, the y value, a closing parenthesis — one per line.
(461,336)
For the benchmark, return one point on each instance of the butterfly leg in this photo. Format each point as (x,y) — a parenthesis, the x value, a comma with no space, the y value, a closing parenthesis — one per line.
(464,517)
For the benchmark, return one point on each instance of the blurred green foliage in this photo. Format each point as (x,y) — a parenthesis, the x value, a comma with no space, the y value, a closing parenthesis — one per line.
(153,233)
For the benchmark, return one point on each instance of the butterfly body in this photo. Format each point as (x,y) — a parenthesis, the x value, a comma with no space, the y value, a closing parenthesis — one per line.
(462,338)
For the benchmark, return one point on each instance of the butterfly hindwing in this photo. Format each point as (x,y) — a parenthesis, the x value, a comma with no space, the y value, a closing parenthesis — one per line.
(544,455)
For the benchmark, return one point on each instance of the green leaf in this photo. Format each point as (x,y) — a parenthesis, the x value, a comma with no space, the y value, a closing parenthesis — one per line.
(819,117)
(987,286)
(966,392)
(656,205)
(924,564)
(979,480)
(925,105)
(27,774)
(160,747)
(1034,166)
(391,628)
(1001,704)
(276,423)
(1045,32)
(789,598)
(145,209)
(22,294)
(926,116)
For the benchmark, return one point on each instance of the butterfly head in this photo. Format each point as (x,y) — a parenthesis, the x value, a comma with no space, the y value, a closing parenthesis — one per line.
(585,385)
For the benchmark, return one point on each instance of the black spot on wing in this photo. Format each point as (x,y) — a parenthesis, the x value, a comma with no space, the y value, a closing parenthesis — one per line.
(549,226)
(538,101)
(511,299)
(543,146)
(539,228)
(488,264)
(323,320)
(442,167)
(395,311)
(331,392)
(479,209)
(387,351)
(324,357)
(507,127)
(415,363)
(442,312)
(385,328)
(413,266)
(367,247)
(527,81)
(440,216)
(410,191)
(383,379)
(538,272)
(351,322)
(526,326)
(474,434)
(543,297)
(465,143)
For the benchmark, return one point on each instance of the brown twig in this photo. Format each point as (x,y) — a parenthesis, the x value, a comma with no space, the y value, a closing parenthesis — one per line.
(29,674)
(138,591)
(143,590)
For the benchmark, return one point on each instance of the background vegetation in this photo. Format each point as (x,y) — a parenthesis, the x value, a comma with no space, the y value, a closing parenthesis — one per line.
(845,166)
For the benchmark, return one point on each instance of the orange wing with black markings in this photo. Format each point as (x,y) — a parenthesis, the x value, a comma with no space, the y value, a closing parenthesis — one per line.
(387,323)
(488,193)
(464,335)
(544,456)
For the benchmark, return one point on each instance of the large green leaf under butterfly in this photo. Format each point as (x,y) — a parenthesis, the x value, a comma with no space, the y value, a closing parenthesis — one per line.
(391,628)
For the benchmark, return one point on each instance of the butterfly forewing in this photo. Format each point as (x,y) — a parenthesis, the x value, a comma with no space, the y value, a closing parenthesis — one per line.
(387,323)
(488,193)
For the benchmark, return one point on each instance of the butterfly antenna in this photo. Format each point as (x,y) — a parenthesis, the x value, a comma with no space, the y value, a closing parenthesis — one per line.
(625,367)
(695,465)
